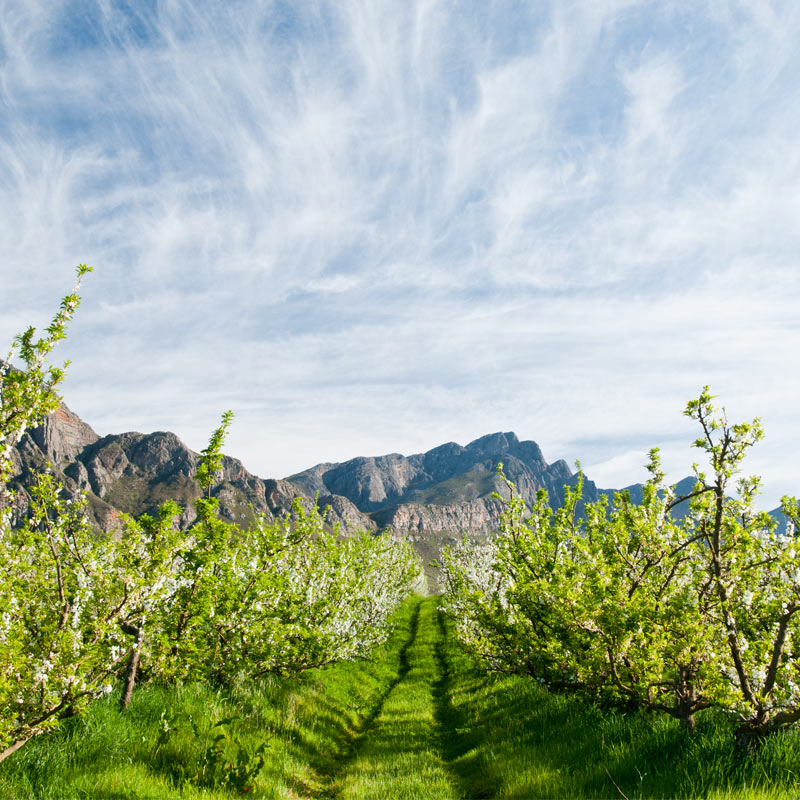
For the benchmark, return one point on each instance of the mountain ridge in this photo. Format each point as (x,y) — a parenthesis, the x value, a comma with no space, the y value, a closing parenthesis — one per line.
(133,473)
(433,497)
(444,489)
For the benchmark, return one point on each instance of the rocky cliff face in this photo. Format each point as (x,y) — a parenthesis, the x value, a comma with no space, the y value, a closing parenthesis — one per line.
(477,517)
(134,473)
(376,482)
(434,497)
(63,436)
(447,490)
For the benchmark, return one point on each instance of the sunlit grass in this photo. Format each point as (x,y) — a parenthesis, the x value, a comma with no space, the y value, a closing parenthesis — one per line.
(418,721)
(400,753)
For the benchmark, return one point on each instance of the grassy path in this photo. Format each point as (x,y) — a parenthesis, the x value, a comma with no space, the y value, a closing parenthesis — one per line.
(444,730)
(418,720)
(401,752)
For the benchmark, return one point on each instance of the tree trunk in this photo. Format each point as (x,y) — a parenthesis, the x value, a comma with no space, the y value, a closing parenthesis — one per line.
(688,723)
(133,664)
(751,735)
(14,747)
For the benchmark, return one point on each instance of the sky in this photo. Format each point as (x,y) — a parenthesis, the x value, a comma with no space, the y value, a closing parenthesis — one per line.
(373,227)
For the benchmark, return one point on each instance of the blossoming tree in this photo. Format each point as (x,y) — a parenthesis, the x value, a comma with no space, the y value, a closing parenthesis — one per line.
(628,604)
(79,608)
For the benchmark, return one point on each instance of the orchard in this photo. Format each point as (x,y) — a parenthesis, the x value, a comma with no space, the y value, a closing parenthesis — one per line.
(83,612)
(629,606)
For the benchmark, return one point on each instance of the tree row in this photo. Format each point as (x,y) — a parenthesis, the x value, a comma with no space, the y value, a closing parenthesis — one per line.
(82,611)
(630,604)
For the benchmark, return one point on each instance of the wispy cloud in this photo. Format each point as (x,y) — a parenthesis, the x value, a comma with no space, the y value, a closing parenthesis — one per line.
(370,227)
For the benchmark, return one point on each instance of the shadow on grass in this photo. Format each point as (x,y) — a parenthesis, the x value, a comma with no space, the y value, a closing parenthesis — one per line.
(458,734)
(505,736)
(334,768)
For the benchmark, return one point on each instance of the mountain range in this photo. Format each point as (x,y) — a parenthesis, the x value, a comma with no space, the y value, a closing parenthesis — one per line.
(432,497)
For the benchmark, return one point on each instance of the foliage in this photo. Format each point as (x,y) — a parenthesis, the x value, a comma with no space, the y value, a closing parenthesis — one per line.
(56,640)
(310,722)
(281,597)
(753,575)
(629,606)
(27,396)
(211,462)
(58,635)
(224,763)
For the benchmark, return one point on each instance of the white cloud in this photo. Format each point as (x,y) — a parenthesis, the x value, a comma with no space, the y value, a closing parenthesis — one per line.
(379,227)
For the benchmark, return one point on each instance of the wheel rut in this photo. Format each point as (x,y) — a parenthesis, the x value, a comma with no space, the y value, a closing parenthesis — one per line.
(399,752)
(350,753)
(456,728)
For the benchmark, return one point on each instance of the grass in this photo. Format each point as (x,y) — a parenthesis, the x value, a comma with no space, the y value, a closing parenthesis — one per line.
(308,722)
(418,721)
(512,739)
(400,751)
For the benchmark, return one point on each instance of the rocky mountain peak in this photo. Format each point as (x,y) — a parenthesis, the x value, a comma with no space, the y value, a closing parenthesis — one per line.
(134,473)
(493,443)
(447,475)
(62,436)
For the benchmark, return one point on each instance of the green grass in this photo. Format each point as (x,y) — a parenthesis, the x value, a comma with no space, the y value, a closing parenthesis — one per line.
(418,721)
(512,739)
(400,751)
(309,721)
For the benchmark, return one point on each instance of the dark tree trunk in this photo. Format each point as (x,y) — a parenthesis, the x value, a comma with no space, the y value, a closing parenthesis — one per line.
(751,734)
(133,663)
(748,739)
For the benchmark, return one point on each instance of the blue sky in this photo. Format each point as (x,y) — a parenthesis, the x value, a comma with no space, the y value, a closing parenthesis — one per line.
(373,227)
